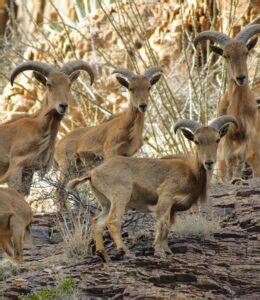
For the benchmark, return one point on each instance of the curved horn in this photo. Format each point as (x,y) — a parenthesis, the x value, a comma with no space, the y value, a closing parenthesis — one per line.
(245,34)
(125,72)
(214,36)
(192,125)
(222,120)
(77,65)
(40,67)
(151,71)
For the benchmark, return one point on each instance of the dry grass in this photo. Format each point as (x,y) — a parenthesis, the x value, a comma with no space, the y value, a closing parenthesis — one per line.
(8,268)
(195,225)
(75,230)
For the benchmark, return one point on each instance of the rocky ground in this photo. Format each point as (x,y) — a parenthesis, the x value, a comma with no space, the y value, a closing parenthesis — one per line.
(225,265)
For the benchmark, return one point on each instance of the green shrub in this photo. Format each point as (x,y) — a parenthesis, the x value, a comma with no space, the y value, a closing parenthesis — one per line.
(64,289)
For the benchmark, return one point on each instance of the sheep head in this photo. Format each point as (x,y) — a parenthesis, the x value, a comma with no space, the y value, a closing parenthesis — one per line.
(139,86)
(234,51)
(57,82)
(206,138)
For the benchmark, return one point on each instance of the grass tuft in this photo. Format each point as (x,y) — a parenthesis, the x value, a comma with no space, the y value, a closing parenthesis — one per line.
(8,268)
(76,233)
(195,225)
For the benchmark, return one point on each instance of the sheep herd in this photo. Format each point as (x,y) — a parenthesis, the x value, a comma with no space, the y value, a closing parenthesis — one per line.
(103,154)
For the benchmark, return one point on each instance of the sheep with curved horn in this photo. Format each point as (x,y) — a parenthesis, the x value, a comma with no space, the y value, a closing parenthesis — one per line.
(84,148)
(162,186)
(27,143)
(238,100)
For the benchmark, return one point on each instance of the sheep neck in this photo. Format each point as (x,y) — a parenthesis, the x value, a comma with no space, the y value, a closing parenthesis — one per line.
(203,178)
(238,96)
(133,122)
(49,121)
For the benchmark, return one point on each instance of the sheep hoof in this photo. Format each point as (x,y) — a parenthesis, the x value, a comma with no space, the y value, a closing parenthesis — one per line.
(103,255)
(168,252)
(160,253)
(18,260)
(129,254)
(121,252)
(238,181)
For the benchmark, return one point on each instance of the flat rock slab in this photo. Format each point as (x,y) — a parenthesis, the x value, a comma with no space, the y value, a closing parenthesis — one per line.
(225,265)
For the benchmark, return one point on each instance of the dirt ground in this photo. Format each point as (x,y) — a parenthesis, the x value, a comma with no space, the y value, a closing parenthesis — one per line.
(225,265)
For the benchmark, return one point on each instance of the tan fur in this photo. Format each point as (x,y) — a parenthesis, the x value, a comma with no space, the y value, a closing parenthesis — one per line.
(253,154)
(27,142)
(121,135)
(15,220)
(164,186)
(238,101)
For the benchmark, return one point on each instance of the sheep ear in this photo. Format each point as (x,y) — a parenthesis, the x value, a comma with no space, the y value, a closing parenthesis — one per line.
(217,50)
(39,77)
(252,43)
(73,76)
(122,81)
(188,134)
(155,79)
(223,130)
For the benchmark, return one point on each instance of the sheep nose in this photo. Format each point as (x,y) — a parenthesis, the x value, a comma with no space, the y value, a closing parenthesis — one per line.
(143,107)
(209,164)
(63,106)
(241,78)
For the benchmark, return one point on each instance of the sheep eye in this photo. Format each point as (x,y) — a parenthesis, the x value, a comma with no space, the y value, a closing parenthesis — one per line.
(196,142)
(48,85)
(131,89)
(217,141)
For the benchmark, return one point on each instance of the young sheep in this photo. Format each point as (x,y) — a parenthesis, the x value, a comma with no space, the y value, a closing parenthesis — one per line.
(84,148)
(238,101)
(164,186)
(15,220)
(27,143)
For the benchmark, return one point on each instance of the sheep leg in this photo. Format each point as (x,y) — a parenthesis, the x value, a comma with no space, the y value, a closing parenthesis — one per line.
(18,238)
(27,178)
(255,164)
(63,180)
(225,164)
(99,223)
(230,168)
(222,170)
(239,166)
(15,178)
(61,193)
(7,246)
(113,222)
(164,222)
(69,170)
(118,190)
